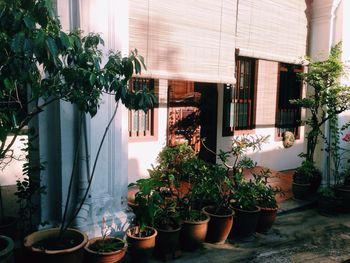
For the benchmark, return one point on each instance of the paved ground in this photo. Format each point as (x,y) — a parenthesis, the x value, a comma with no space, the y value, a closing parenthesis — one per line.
(304,236)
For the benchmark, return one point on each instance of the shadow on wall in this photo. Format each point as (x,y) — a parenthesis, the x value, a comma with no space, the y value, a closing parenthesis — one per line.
(133,170)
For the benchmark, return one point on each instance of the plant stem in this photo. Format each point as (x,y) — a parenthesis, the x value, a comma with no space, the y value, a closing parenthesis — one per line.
(93,169)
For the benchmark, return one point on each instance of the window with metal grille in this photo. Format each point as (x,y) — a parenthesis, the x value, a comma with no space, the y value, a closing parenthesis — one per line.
(288,115)
(239,100)
(142,124)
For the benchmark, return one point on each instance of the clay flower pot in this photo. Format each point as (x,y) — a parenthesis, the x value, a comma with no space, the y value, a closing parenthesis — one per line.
(167,241)
(43,246)
(193,233)
(267,217)
(141,247)
(93,256)
(301,191)
(245,223)
(220,224)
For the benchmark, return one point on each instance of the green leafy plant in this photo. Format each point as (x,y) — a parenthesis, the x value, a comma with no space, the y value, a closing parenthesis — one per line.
(327,99)
(245,196)
(40,60)
(266,193)
(305,173)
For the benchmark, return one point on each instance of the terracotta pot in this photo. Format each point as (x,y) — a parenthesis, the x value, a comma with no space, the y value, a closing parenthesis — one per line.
(167,241)
(92,256)
(267,217)
(219,226)
(8,227)
(315,182)
(6,250)
(245,223)
(329,206)
(73,253)
(193,233)
(301,191)
(141,248)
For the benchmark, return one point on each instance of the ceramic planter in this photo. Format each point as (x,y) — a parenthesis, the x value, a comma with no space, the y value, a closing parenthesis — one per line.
(141,248)
(315,183)
(167,241)
(301,191)
(267,217)
(193,233)
(8,227)
(71,249)
(6,250)
(219,226)
(245,223)
(92,256)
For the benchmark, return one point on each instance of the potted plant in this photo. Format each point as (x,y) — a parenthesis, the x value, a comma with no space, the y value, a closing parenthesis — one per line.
(105,249)
(324,103)
(246,210)
(73,73)
(141,237)
(266,201)
(195,222)
(303,177)
(328,203)
(242,193)
(6,249)
(216,189)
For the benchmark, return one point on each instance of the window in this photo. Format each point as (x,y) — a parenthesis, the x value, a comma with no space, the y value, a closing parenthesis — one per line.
(142,124)
(239,100)
(288,115)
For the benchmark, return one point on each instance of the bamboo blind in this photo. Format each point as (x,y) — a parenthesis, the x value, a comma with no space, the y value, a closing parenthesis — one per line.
(185,39)
(272,29)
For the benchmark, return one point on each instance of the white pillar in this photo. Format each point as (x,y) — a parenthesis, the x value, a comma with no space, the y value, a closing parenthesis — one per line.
(58,128)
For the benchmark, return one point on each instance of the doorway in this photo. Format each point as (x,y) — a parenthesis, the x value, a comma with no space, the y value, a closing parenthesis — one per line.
(192,116)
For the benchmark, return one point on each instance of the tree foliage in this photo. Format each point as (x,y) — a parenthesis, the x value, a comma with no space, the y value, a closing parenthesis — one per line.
(327,98)
(41,61)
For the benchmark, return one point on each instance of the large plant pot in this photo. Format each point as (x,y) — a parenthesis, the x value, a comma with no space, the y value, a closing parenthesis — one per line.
(6,250)
(69,250)
(8,227)
(267,217)
(92,256)
(193,233)
(141,247)
(219,226)
(301,191)
(245,224)
(329,206)
(315,182)
(167,241)
(343,192)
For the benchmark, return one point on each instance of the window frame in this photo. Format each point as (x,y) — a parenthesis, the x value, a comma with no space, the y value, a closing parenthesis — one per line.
(231,97)
(282,67)
(150,134)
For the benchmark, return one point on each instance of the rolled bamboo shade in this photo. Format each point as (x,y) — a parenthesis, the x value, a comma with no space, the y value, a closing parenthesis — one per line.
(272,29)
(185,39)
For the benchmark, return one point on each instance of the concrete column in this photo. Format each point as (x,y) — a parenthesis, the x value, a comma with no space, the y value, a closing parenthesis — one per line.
(58,134)
(324,35)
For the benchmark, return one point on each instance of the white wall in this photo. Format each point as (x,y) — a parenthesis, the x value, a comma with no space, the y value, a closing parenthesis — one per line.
(143,154)
(13,170)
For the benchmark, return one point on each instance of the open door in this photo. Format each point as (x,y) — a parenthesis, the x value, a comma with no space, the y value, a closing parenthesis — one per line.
(192,116)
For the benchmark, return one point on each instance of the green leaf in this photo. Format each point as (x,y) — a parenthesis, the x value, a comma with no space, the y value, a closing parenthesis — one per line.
(18,42)
(65,40)
(29,22)
(52,47)
(92,79)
